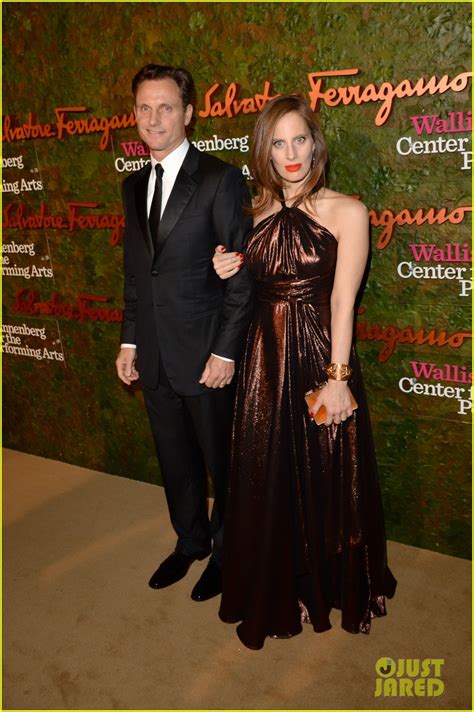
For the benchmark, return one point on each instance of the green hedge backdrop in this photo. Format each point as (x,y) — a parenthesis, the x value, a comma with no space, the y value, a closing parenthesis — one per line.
(62,398)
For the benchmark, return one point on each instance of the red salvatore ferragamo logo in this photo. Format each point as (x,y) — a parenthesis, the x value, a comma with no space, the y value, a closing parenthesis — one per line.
(391,336)
(87,307)
(386,93)
(232,104)
(17,217)
(66,126)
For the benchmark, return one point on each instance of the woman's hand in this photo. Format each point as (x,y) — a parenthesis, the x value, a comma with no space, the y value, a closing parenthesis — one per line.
(225,263)
(336,399)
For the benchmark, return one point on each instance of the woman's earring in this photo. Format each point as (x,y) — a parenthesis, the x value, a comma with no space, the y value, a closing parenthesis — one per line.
(313,159)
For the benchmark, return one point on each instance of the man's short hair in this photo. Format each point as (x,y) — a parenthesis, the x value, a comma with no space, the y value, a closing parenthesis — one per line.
(181,76)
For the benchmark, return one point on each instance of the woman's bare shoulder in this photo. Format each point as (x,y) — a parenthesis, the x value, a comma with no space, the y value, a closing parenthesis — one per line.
(341,200)
(341,206)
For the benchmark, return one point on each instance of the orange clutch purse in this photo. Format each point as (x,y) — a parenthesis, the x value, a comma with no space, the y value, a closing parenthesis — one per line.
(320,416)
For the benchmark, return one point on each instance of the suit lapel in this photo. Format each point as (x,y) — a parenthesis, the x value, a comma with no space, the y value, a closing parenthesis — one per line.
(141,192)
(184,187)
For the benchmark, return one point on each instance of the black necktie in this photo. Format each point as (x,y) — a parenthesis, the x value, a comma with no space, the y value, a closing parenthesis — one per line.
(155,209)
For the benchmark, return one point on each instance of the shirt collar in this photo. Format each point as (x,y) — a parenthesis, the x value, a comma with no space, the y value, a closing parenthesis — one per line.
(174,160)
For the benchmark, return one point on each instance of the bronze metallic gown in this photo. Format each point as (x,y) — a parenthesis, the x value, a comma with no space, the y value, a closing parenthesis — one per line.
(304,529)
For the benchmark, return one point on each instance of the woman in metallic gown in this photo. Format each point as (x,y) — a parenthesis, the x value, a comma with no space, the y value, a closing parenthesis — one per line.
(304,529)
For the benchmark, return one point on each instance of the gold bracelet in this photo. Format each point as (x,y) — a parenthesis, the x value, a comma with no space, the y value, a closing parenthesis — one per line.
(339,371)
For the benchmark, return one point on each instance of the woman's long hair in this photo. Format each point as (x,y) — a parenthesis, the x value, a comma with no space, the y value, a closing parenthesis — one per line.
(269,184)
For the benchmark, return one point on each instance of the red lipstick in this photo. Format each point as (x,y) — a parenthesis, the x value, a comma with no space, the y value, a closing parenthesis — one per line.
(293,168)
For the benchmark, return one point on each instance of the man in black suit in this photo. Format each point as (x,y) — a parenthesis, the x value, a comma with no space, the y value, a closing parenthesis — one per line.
(183,328)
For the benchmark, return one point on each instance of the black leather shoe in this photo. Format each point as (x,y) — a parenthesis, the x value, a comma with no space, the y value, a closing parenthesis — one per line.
(210,583)
(171,570)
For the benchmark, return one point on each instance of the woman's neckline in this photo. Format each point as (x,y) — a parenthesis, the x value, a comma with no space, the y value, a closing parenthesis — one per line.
(295,206)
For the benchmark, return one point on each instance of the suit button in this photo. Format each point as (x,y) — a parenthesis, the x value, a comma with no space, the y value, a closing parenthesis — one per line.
(154,273)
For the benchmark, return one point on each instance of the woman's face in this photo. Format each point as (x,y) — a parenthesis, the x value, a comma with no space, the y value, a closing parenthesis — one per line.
(292,147)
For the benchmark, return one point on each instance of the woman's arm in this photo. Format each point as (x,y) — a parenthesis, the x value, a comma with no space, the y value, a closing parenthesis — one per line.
(352,253)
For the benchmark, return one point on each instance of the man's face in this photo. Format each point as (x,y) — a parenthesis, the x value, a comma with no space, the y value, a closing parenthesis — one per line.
(161,118)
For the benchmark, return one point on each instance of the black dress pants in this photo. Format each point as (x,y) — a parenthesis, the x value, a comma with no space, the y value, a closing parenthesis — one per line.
(192,438)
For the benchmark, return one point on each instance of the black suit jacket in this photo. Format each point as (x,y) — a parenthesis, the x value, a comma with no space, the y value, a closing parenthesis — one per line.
(175,304)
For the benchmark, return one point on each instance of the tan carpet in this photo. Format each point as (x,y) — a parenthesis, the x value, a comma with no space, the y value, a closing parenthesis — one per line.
(82,630)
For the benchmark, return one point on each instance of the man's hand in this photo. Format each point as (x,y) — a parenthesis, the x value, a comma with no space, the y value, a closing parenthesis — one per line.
(217,372)
(125,365)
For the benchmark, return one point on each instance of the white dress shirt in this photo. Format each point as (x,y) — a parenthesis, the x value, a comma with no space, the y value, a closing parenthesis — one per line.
(171,166)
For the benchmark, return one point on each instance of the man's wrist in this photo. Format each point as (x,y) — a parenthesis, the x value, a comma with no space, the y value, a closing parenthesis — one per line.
(224,358)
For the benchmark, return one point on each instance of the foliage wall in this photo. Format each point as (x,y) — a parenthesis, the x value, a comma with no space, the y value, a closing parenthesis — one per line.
(67,69)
